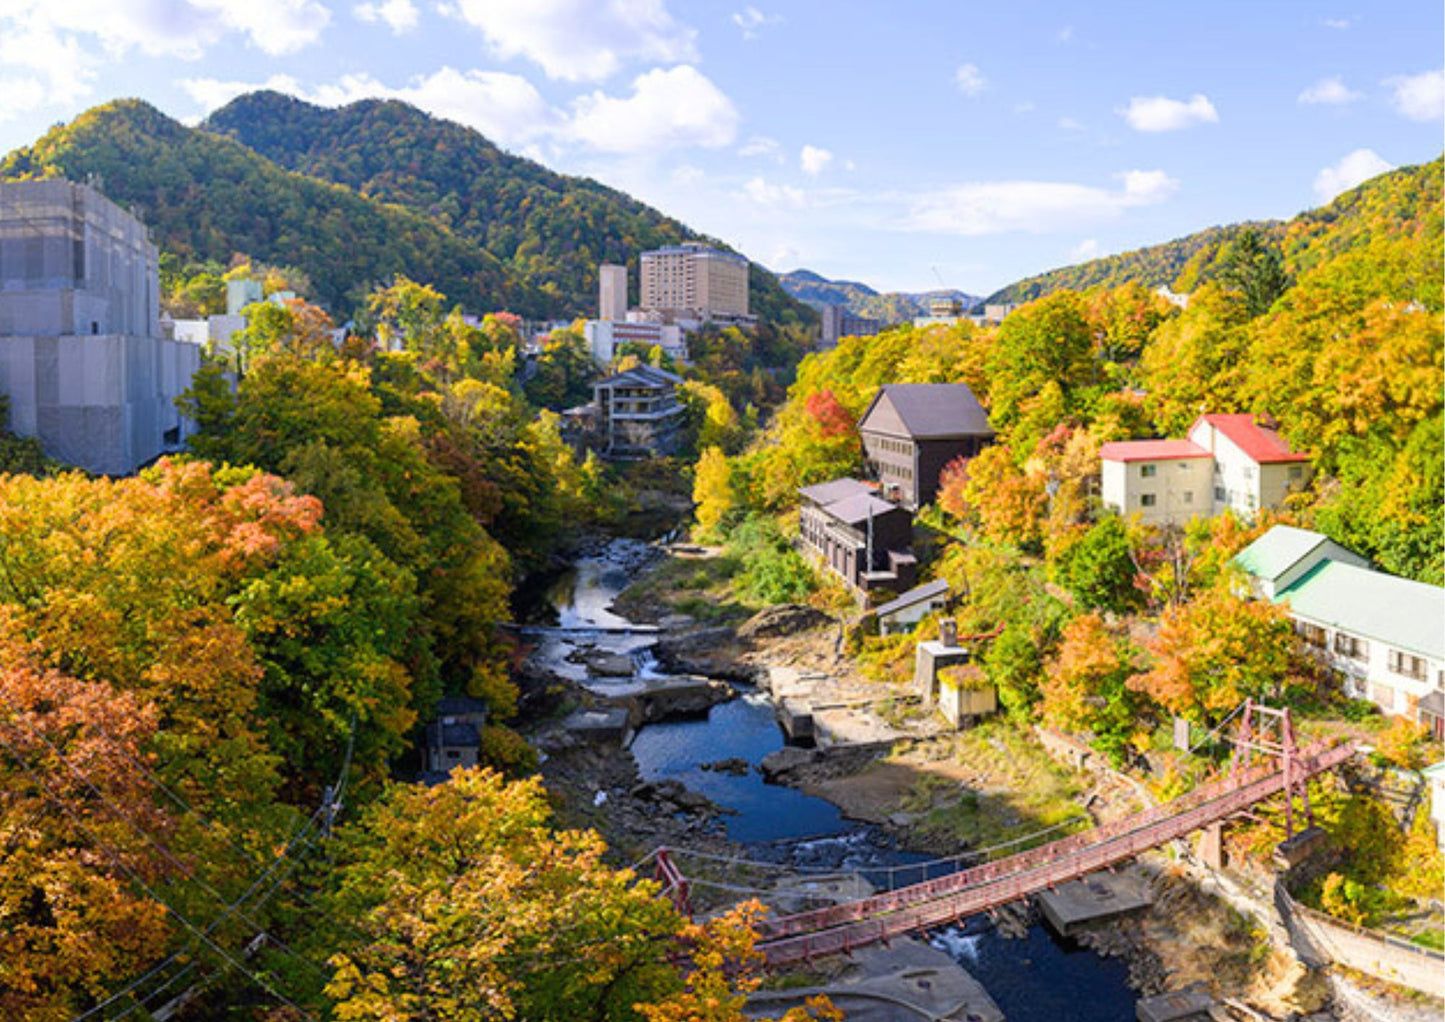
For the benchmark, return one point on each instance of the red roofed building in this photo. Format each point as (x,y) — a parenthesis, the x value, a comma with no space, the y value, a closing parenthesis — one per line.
(1227,462)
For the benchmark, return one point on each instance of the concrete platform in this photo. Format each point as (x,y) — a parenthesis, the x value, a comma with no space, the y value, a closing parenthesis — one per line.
(1071,907)
(905,982)
(1190,1005)
(600,725)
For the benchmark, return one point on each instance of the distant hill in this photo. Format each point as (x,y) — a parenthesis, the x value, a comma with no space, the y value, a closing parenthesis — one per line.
(862,300)
(1314,234)
(209,197)
(379,188)
(549,230)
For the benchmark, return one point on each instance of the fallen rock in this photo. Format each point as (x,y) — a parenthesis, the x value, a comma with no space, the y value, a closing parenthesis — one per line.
(713,652)
(787,619)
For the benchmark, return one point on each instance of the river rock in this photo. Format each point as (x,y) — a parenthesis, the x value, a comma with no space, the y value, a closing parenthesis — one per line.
(681,697)
(602,663)
(736,765)
(671,793)
(712,652)
(778,764)
(787,619)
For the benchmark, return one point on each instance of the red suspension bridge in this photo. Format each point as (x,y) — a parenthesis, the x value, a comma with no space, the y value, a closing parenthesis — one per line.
(918,907)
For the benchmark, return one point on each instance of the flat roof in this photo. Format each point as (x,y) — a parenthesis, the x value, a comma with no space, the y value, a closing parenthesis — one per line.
(1152,450)
(1402,613)
(859,508)
(834,490)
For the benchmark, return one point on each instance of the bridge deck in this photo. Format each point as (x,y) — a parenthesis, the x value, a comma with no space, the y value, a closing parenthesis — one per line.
(841,928)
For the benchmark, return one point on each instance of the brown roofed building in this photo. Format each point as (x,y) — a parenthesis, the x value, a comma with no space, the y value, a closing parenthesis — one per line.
(911,431)
(865,541)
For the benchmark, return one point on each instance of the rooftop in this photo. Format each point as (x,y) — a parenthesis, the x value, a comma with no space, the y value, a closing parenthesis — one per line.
(917,594)
(1399,612)
(933,409)
(1277,551)
(833,491)
(1151,450)
(859,508)
(641,376)
(1261,443)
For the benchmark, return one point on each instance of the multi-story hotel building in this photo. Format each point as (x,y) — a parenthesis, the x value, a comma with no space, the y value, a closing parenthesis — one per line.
(693,281)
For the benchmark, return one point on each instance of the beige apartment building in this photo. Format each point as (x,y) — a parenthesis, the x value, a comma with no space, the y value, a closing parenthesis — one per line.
(695,282)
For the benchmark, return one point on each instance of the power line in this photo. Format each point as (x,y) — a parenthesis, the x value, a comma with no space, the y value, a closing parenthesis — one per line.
(130,871)
(185,869)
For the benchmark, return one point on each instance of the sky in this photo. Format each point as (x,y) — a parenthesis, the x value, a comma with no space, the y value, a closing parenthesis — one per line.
(909,145)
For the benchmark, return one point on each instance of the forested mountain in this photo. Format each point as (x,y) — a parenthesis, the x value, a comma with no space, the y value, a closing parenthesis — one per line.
(862,300)
(549,229)
(1154,266)
(207,198)
(1312,236)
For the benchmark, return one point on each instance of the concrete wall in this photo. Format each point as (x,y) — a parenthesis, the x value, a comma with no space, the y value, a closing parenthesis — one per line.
(1180,488)
(1320,940)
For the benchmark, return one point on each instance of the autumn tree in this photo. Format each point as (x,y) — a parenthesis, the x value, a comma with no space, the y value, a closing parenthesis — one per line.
(74,925)
(1211,654)
(712,492)
(1085,688)
(1099,570)
(1043,357)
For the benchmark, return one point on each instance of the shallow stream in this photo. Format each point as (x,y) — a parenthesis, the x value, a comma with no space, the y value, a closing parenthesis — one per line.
(1040,978)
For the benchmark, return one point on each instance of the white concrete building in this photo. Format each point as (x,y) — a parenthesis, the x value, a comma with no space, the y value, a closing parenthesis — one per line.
(82,358)
(604,337)
(1228,462)
(1382,635)
(611,293)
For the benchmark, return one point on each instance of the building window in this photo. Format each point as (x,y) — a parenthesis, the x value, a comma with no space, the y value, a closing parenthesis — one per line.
(1146,500)
(1219,494)
(1189,496)
(1407,666)
(1313,635)
(1296,472)
(1148,471)
(1349,646)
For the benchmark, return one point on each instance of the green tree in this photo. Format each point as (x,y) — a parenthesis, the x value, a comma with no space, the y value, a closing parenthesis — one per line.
(1253,268)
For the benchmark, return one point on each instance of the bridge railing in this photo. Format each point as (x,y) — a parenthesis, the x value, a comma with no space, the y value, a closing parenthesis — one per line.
(922,905)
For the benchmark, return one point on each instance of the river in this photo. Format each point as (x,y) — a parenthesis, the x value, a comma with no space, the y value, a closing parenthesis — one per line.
(1040,978)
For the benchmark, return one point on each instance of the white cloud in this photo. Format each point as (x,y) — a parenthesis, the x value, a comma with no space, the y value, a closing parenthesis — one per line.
(59,71)
(504,107)
(1419,97)
(687,174)
(1069,124)
(1035,207)
(579,40)
(1026,107)
(1329,92)
(969,79)
(181,29)
(1065,35)
(399,15)
(20,96)
(750,19)
(1160,113)
(668,107)
(1339,24)
(1356,168)
(764,194)
(813,160)
(1085,250)
(761,145)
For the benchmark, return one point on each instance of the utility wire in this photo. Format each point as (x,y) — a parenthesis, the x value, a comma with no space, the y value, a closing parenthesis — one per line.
(130,871)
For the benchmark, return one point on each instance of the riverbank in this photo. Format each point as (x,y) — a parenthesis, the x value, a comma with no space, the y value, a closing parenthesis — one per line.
(912,788)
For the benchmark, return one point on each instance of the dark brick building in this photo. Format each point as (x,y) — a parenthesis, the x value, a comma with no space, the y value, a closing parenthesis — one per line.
(865,541)
(911,431)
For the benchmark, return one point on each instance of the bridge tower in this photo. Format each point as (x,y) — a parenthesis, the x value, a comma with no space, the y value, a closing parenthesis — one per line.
(1270,732)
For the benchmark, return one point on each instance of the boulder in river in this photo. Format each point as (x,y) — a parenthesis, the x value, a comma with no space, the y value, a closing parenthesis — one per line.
(735,765)
(680,697)
(672,795)
(603,663)
(710,651)
(787,619)
(786,760)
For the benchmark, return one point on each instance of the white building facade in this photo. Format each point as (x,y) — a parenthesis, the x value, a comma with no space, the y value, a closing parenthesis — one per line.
(1228,462)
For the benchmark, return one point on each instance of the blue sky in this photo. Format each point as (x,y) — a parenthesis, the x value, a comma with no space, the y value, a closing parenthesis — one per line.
(895,143)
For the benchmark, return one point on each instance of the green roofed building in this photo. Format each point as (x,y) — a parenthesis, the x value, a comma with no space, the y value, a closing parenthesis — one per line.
(1383,635)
